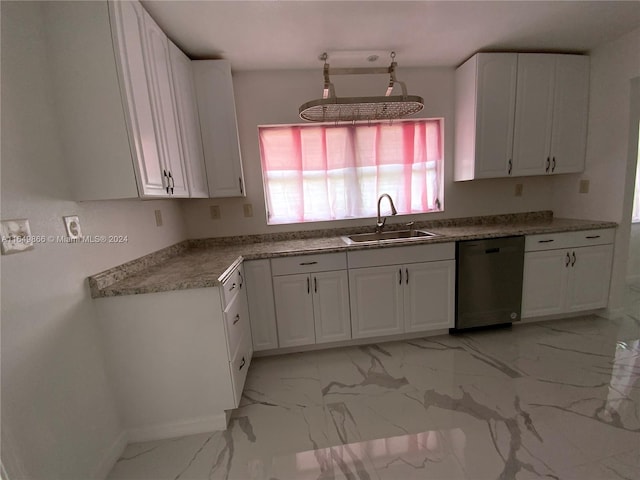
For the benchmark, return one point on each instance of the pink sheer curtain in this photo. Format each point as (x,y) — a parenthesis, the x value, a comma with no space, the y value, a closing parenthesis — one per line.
(331,172)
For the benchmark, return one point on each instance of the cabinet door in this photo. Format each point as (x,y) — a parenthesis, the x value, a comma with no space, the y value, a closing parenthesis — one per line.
(262,313)
(570,111)
(294,310)
(544,287)
(534,114)
(185,95)
(589,277)
(165,108)
(217,110)
(376,299)
(134,64)
(496,97)
(331,306)
(429,296)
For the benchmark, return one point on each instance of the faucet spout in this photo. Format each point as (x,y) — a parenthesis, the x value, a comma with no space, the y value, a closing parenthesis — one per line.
(381,221)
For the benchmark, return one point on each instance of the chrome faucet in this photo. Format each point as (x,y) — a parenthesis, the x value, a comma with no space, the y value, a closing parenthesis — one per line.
(381,221)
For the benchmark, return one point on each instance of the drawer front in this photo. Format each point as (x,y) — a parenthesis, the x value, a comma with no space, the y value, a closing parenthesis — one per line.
(232,285)
(584,238)
(400,255)
(240,366)
(324,262)
(236,317)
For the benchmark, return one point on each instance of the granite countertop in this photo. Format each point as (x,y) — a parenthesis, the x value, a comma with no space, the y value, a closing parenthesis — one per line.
(207,263)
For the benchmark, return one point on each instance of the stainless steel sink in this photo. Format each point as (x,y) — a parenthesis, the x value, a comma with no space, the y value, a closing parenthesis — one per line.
(387,236)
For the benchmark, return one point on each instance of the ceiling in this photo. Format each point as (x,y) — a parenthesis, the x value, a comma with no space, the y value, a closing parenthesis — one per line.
(268,35)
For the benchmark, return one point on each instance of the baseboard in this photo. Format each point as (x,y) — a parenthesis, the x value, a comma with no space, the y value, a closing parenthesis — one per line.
(178,429)
(111,456)
(612,313)
(561,316)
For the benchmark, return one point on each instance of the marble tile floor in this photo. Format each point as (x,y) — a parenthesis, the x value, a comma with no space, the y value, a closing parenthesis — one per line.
(558,400)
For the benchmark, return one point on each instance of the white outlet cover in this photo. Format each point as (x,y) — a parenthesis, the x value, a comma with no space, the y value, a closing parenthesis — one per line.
(72,224)
(16,236)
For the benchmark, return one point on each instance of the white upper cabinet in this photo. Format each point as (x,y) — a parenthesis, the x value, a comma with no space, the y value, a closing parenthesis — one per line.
(485,105)
(217,110)
(185,94)
(520,115)
(118,112)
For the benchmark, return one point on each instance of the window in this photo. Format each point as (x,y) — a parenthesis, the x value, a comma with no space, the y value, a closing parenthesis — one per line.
(331,172)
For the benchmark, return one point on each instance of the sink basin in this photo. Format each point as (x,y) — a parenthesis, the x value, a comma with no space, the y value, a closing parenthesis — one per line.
(387,236)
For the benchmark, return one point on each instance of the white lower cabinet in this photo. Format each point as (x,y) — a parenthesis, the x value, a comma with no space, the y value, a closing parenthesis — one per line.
(261,305)
(311,298)
(572,278)
(409,297)
(177,360)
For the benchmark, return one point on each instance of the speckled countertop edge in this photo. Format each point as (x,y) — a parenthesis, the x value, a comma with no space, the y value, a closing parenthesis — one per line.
(207,262)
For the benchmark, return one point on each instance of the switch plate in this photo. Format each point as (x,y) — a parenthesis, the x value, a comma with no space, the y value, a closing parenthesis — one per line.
(518,189)
(72,225)
(584,186)
(16,236)
(158,214)
(214,212)
(248,210)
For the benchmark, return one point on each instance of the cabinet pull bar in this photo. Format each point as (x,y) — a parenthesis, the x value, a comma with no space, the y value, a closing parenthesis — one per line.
(510,166)
(308,286)
(545,241)
(242,364)
(400,276)
(308,263)
(232,287)
(406,271)
(548,165)
(241,279)
(164,174)
(574,259)
(315,284)
(568,260)
(237,319)
(590,237)
(240,183)
(553,163)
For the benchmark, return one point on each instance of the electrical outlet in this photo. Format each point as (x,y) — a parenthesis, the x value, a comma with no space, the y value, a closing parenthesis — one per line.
(16,236)
(214,212)
(72,225)
(584,186)
(518,189)
(158,214)
(248,210)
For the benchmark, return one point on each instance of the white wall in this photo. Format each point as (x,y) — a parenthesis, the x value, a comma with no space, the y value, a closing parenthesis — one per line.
(609,168)
(59,416)
(274,97)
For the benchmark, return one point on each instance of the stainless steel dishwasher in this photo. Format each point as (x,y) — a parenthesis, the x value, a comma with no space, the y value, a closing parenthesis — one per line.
(489,281)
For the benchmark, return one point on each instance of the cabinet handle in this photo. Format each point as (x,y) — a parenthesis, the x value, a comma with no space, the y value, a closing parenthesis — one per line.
(308,263)
(553,162)
(399,276)
(315,284)
(568,260)
(241,279)
(510,166)
(545,241)
(308,286)
(591,237)
(548,165)
(237,319)
(172,182)
(242,364)
(240,183)
(164,173)
(233,285)
(406,271)
(574,259)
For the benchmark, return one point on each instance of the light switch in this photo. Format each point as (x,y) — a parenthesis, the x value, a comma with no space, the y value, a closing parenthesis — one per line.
(518,189)
(16,236)
(584,186)
(158,214)
(248,210)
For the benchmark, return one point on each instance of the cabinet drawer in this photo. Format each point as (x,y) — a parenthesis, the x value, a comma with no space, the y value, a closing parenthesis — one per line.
(584,238)
(232,285)
(240,366)
(324,262)
(236,318)
(401,255)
